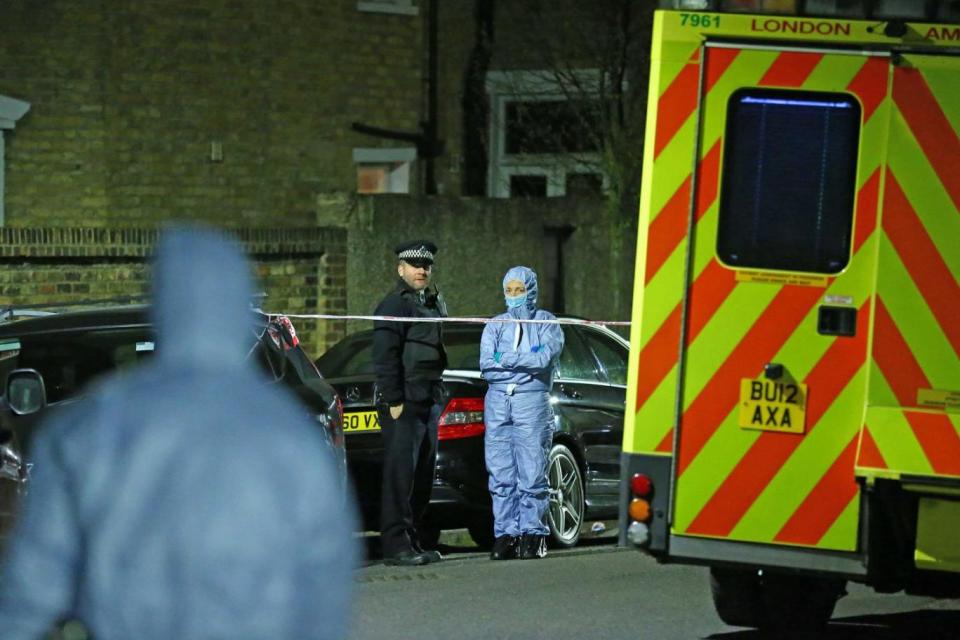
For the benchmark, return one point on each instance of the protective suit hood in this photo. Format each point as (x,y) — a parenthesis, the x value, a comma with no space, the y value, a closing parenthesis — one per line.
(202,293)
(528,277)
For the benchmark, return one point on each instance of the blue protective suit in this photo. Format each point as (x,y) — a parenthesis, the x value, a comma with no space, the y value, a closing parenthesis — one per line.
(519,362)
(185,499)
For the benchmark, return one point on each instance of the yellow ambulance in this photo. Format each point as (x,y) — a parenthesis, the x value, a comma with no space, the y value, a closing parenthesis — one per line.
(793,409)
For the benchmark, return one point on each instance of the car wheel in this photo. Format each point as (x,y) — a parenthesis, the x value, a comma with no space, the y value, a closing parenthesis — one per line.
(481,532)
(566,497)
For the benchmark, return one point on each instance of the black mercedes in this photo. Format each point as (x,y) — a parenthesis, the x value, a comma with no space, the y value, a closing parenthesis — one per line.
(584,473)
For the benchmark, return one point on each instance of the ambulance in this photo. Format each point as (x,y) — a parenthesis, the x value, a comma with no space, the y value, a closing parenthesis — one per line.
(793,408)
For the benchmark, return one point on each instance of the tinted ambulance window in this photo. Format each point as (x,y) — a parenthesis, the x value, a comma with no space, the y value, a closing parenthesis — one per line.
(789,174)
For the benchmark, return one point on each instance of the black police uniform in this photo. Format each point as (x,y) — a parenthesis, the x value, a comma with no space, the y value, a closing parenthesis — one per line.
(409,360)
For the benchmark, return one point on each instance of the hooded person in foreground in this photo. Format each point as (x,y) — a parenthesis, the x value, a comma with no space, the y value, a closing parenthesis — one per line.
(185,499)
(519,361)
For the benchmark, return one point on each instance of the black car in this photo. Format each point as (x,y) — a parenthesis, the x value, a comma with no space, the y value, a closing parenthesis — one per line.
(584,472)
(49,359)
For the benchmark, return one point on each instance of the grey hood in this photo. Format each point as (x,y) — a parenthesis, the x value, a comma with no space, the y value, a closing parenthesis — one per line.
(202,292)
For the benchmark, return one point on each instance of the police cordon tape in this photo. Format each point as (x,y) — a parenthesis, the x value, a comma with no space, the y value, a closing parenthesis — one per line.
(464,320)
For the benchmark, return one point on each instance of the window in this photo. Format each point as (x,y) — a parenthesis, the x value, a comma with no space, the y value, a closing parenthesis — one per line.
(401,7)
(789,175)
(611,355)
(11,110)
(384,170)
(575,363)
(543,142)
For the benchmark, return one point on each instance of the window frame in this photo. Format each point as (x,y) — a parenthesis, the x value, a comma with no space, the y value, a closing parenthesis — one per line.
(11,110)
(504,87)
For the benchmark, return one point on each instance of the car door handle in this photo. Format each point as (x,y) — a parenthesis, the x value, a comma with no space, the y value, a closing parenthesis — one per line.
(570,393)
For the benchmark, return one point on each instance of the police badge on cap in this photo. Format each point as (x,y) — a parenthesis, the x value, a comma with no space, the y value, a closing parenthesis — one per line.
(416,252)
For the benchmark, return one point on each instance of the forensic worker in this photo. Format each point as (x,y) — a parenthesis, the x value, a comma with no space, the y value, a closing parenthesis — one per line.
(518,362)
(408,361)
(185,499)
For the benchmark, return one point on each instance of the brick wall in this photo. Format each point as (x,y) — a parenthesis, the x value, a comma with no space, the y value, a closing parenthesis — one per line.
(302,271)
(479,239)
(128,97)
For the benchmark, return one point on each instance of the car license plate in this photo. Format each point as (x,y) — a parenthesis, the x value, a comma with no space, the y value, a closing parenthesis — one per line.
(361,421)
(773,405)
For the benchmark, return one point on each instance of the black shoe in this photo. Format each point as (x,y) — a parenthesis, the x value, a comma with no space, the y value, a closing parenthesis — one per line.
(407,558)
(505,548)
(432,555)
(533,547)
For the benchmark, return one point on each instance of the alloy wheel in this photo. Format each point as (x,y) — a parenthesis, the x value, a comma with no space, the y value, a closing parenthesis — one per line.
(566,497)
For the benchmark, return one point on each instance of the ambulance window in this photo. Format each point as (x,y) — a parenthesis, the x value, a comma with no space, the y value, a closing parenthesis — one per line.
(789,174)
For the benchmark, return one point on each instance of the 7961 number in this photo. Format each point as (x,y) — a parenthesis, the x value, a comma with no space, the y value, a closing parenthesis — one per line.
(699,20)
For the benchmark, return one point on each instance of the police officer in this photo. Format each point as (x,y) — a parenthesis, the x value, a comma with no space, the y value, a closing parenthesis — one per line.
(408,360)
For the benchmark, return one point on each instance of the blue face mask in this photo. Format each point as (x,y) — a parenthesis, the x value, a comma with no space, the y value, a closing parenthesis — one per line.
(514,302)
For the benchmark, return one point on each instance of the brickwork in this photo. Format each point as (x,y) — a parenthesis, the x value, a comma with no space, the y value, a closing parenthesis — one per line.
(128,98)
(301,271)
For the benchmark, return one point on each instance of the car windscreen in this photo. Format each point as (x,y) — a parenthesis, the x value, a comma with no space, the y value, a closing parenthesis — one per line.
(353,356)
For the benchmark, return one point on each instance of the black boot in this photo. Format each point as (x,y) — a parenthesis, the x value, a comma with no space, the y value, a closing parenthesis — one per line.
(533,547)
(504,548)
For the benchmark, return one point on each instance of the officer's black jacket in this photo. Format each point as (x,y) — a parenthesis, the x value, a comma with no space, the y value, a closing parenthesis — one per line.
(408,357)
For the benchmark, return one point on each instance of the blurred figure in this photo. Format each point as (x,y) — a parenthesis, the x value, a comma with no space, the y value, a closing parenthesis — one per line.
(519,361)
(185,499)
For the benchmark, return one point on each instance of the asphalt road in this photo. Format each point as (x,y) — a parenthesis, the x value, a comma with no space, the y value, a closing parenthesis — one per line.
(598,591)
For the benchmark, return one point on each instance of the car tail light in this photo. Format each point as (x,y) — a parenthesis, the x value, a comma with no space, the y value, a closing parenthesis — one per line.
(461,418)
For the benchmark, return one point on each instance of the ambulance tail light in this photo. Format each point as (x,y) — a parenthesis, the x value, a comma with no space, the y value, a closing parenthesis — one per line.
(641,485)
(638,532)
(461,418)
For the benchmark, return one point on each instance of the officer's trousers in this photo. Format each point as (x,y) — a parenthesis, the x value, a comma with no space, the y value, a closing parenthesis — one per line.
(409,461)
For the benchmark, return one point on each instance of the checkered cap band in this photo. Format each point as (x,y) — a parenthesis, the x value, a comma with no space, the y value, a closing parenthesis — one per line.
(420,253)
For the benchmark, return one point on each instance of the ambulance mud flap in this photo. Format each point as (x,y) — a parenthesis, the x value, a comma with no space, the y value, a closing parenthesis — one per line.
(657,469)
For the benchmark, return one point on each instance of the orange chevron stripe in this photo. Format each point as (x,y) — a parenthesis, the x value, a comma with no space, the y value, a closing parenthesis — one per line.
(675,105)
(870,85)
(718,61)
(895,359)
(770,451)
(790,69)
(866,220)
(870,455)
(938,439)
(930,127)
(659,356)
(922,260)
(811,521)
(669,228)
(717,399)
(679,101)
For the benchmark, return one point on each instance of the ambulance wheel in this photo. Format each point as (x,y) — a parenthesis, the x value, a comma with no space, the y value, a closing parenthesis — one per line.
(737,596)
(799,602)
(565,513)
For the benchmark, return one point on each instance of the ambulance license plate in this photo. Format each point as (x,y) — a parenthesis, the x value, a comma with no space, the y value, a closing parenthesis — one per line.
(773,405)
(361,421)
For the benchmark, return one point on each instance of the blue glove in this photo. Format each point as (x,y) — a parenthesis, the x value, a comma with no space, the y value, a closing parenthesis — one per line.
(535,348)
(497,355)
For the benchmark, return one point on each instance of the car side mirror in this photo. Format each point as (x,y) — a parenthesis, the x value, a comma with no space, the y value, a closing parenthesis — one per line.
(25,391)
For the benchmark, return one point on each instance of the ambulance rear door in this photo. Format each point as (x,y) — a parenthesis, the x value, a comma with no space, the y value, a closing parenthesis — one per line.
(779,295)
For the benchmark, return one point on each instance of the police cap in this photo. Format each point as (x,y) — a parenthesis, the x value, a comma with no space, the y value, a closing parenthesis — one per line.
(416,252)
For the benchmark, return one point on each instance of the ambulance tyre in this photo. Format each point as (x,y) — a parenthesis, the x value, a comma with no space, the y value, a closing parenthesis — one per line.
(800,602)
(737,596)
